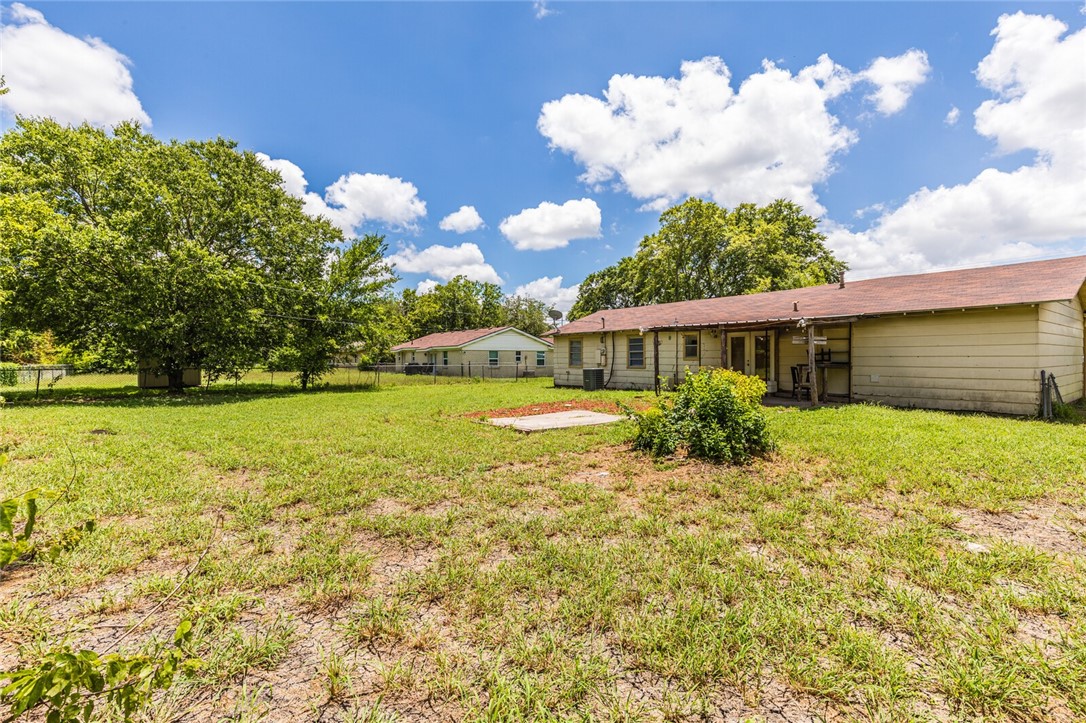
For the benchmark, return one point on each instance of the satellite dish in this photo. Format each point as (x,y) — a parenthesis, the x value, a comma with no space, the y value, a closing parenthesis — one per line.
(555,314)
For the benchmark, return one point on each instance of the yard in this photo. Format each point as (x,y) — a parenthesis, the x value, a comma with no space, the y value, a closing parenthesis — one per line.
(380,555)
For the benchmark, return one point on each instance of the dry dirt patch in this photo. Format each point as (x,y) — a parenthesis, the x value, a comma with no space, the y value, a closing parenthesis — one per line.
(1054,528)
(588,405)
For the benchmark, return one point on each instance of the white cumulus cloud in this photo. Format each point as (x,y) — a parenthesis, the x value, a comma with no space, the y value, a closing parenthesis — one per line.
(1034,71)
(72,80)
(549,290)
(895,79)
(463,220)
(665,139)
(355,198)
(550,226)
(952,116)
(446,262)
(426,286)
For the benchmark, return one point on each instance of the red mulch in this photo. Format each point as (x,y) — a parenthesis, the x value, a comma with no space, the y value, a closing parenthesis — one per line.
(590,405)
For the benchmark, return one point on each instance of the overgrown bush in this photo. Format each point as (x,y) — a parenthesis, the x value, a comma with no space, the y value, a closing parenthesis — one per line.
(716,414)
(655,434)
(9,374)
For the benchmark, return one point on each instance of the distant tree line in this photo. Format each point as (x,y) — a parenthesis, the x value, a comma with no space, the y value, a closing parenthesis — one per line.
(465,304)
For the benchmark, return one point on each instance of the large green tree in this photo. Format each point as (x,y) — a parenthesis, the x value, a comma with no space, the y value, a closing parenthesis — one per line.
(179,254)
(527,314)
(337,310)
(703,251)
(457,304)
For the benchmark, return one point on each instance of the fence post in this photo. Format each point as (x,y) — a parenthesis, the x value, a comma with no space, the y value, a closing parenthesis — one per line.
(1045,414)
(37,384)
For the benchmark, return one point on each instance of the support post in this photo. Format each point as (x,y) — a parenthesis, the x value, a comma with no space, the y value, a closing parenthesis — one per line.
(656,362)
(1045,412)
(811,364)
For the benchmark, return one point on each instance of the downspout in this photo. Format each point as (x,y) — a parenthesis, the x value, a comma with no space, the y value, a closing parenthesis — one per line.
(611,371)
(656,362)
(677,358)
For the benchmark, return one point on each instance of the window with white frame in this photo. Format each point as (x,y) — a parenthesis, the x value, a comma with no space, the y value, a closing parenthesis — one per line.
(493,358)
(541,358)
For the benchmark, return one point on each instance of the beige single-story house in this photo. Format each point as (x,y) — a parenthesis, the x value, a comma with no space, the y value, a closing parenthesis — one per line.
(972,339)
(497,351)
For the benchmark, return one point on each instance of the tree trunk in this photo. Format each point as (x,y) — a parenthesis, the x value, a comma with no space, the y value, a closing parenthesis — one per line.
(176,379)
(304,379)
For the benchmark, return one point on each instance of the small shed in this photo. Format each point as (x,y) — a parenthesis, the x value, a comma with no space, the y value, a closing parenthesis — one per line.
(148,376)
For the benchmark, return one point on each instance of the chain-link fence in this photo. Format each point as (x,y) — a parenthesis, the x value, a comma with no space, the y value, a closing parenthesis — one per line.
(474,370)
(44,381)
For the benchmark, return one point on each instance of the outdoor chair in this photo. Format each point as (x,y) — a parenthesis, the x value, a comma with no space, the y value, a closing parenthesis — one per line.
(801,382)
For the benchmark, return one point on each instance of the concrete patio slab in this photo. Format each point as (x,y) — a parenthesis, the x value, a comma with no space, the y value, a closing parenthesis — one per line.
(555,420)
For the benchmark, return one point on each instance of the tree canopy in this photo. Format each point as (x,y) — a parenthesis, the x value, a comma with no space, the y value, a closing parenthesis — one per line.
(703,251)
(465,304)
(175,255)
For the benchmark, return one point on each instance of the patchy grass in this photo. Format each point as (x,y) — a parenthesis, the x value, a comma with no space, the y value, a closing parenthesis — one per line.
(378,555)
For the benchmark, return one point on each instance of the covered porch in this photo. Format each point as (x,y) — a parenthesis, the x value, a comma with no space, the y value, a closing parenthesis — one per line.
(804,360)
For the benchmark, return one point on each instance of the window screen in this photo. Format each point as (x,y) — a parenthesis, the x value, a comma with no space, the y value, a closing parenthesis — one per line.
(690,346)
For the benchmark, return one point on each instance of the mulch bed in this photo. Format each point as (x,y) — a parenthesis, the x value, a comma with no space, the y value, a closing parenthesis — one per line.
(590,405)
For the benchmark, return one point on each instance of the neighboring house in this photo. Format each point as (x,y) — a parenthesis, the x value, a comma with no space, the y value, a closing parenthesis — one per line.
(975,339)
(498,351)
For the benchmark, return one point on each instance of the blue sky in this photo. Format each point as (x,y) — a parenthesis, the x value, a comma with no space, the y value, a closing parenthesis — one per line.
(932,135)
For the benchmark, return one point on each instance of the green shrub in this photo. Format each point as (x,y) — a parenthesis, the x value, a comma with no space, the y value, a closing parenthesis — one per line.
(9,374)
(716,414)
(654,432)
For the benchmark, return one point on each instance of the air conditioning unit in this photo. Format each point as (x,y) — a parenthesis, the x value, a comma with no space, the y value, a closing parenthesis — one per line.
(593,380)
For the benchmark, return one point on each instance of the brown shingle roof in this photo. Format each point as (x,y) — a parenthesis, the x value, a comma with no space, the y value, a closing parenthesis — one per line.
(446,339)
(1024,283)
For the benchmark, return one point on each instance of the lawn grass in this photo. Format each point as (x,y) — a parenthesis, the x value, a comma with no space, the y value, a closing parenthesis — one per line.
(377,555)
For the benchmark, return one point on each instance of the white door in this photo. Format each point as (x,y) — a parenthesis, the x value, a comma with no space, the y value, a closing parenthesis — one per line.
(751,352)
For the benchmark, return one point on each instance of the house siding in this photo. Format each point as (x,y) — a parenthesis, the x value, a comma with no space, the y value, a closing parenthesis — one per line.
(473,358)
(984,360)
(507,340)
(1060,345)
(619,375)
